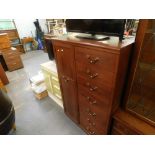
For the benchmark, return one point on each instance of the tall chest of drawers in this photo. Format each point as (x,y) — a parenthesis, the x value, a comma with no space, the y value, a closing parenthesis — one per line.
(92,76)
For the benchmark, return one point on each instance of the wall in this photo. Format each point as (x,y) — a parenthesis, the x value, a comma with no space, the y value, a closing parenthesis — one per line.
(26,26)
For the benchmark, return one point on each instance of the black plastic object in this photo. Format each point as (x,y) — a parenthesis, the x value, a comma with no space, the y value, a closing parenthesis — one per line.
(7,113)
(49,48)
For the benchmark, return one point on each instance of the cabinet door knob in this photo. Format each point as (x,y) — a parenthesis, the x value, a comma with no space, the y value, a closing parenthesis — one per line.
(62,50)
(58,50)
(67,79)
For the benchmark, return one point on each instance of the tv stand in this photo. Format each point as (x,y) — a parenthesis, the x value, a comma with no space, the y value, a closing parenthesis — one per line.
(93,37)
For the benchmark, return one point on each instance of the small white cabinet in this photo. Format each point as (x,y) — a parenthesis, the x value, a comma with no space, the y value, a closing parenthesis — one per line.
(52,82)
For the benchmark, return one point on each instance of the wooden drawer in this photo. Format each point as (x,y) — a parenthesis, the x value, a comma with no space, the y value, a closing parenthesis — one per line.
(103,96)
(92,118)
(13,65)
(4,45)
(7,52)
(120,128)
(97,60)
(99,77)
(14,58)
(12,33)
(4,38)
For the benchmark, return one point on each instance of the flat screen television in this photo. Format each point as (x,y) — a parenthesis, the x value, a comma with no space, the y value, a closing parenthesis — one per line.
(108,27)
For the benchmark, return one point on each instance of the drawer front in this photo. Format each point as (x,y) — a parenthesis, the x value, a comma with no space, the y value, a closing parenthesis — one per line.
(102,96)
(4,45)
(58,95)
(9,52)
(48,82)
(14,64)
(99,77)
(95,59)
(56,89)
(4,39)
(93,99)
(13,57)
(122,129)
(92,118)
(55,81)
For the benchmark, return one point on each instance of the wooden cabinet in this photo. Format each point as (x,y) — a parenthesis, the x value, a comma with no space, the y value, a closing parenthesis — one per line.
(125,123)
(52,82)
(92,76)
(12,59)
(14,39)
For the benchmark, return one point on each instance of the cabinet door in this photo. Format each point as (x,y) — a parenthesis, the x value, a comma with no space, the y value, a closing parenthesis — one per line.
(66,70)
(70,98)
(65,60)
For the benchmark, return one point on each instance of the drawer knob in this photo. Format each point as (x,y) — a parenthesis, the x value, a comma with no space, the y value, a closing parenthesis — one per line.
(58,50)
(93,61)
(88,119)
(93,89)
(94,102)
(62,50)
(93,75)
(92,124)
(67,79)
(94,114)
(92,133)
(89,114)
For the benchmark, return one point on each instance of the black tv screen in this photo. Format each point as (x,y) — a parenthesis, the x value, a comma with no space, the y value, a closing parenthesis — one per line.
(97,26)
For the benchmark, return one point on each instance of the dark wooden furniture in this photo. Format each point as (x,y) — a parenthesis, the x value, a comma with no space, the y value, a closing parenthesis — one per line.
(125,123)
(12,59)
(92,76)
(3,76)
(139,100)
